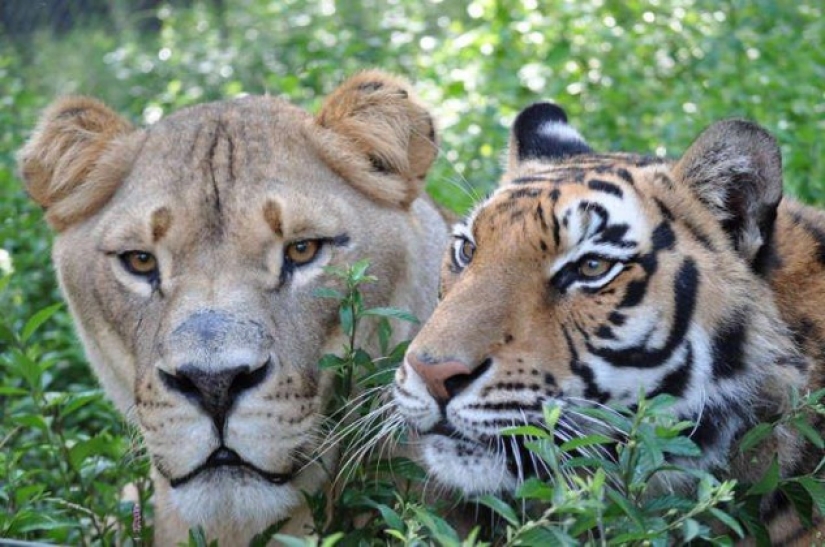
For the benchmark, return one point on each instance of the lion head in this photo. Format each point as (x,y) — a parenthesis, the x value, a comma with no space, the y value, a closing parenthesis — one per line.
(189,253)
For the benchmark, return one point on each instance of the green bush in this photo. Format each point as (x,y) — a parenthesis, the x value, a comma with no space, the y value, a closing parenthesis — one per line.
(642,76)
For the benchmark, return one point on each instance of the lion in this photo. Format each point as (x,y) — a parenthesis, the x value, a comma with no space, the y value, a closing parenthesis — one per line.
(190,253)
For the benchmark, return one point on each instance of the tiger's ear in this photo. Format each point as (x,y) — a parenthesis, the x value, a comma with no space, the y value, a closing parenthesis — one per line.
(380,138)
(735,168)
(59,162)
(541,132)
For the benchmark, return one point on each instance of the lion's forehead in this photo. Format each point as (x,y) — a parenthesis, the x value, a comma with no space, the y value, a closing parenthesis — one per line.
(227,149)
(214,172)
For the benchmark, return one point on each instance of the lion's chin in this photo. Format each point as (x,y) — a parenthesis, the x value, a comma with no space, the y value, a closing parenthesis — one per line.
(233,495)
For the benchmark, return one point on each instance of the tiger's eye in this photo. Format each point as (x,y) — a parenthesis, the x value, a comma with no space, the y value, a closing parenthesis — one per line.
(594,267)
(140,263)
(302,252)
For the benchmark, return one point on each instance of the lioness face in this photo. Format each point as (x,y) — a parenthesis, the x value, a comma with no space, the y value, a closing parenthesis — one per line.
(193,288)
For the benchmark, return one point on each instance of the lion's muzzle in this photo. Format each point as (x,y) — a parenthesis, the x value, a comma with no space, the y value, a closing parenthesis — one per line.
(215,391)
(212,358)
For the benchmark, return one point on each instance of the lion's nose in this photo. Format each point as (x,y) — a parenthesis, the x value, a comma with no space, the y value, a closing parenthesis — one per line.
(215,391)
(445,379)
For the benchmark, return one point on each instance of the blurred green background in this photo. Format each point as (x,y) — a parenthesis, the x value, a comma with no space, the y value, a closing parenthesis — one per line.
(645,76)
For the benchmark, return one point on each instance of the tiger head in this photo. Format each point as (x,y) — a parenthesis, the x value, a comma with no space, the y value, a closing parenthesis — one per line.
(589,279)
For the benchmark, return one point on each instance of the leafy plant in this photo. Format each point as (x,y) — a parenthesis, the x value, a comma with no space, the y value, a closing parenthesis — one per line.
(361,427)
(806,492)
(58,477)
(635,75)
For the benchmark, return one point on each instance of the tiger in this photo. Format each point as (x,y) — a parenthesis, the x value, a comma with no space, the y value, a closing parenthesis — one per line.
(590,278)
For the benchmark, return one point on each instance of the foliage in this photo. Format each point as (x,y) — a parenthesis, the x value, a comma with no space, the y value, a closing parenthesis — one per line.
(66,455)
(636,75)
(594,497)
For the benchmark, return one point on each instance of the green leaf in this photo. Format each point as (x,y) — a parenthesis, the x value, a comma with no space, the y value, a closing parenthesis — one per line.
(397,535)
(76,401)
(535,489)
(546,536)
(392,519)
(768,482)
(4,283)
(100,445)
(500,507)
(26,367)
(362,360)
(397,353)
(526,431)
(332,539)
(292,541)
(665,502)
(7,335)
(197,537)
(626,507)
(750,516)
(34,421)
(661,402)
(801,500)
(816,488)
(37,320)
(391,312)
(384,334)
(801,424)
(581,442)
(331,361)
(25,494)
(345,316)
(10,391)
(551,414)
(680,446)
(36,521)
(442,532)
(755,436)
(727,520)
(690,530)
(358,270)
(590,463)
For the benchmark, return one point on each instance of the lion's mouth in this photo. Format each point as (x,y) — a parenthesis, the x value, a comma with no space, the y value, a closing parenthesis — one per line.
(226,458)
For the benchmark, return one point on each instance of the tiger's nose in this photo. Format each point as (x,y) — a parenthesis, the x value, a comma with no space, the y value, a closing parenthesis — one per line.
(444,379)
(215,391)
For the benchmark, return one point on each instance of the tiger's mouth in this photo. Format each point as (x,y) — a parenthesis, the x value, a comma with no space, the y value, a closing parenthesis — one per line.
(225,459)
(513,448)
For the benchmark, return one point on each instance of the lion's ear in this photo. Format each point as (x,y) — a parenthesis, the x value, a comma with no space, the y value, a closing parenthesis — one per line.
(59,162)
(381,139)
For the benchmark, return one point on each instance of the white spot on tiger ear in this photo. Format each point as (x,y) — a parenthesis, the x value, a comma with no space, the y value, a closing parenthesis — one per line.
(560,132)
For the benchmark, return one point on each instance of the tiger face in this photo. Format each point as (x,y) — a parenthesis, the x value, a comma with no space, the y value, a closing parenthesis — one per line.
(587,279)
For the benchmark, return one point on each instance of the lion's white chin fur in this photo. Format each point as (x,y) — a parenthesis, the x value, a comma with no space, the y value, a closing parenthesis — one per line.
(248,502)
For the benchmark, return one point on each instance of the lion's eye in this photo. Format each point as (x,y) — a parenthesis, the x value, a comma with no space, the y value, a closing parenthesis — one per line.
(302,252)
(140,263)
(464,250)
(594,267)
